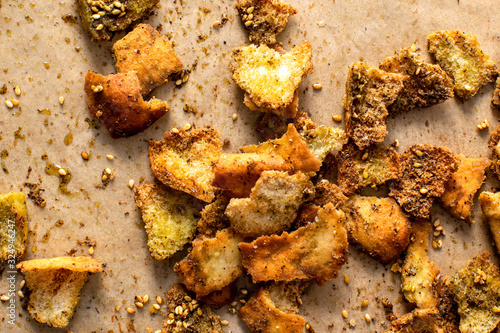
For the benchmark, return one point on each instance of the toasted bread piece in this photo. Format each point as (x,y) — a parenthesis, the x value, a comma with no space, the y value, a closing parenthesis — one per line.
(221,297)
(170,218)
(379,227)
(417,321)
(369,91)
(372,166)
(426,169)
(55,286)
(428,84)
(273,309)
(117,102)
(271,79)
(267,18)
(477,292)
(495,101)
(418,272)
(271,126)
(326,192)
(323,140)
(461,57)
(135,10)
(448,319)
(203,320)
(315,252)
(212,263)
(490,205)
(459,191)
(13,227)
(494,144)
(149,54)
(185,161)
(213,218)
(272,205)
(288,111)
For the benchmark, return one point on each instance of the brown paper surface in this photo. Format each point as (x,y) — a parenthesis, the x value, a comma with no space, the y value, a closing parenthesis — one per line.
(47,57)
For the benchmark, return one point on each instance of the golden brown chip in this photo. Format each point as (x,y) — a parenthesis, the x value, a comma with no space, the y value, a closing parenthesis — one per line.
(271,79)
(495,101)
(417,321)
(272,310)
(288,111)
(149,54)
(55,286)
(170,218)
(477,293)
(461,57)
(426,169)
(326,192)
(315,252)
(117,102)
(379,226)
(212,263)
(13,227)
(185,161)
(490,205)
(418,272)
(360,168)
(369,91)
(323,140)
(272,205)
(220,297)
(427,85)
(213,218)
(264,19)
(494,144)
(458,196)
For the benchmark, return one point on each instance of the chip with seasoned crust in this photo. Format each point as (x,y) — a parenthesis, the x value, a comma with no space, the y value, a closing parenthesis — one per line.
(13,226)
(490,205)
(428,84)
(273,309)
(269,78)
(117,102)
(212,263)
(379,226)
(315,252)
(477,292)
(326,192)
(170,218)
(461,57)
(149,54)
(185,161)
(272,205)
(494,145)
(426,169)
(448,319)
(264,19)
(459,192)
(323,140)
(55,286)
(369,91)
(373,166)
(417,321)
(418,272)
(495,101)
(213,218)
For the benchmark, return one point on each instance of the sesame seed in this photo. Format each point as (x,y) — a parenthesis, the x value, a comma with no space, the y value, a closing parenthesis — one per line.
(216,24)
(364,303)
(248,23)
(178,323)
(123,13)
(20,293)
(117,4)
(101,12)
(99,27)
(346,279)
(15,102)
(117,308)
(175,130)
(187,127)
(170,315)
(131,183)
(242,301)
(170,321)
(4,298)
(159,300)
(96,16)
(230,310)
(104,178)
(184,325)
(224,322)
(62,172)
(23,282)
(495,309)
(116,12)
(157,306)
(185,78)
(365,174)
(110,157)
(145,299)
(439,243)
(17,91)
(178,310)
(368,318)
(439,228)
(91,250)
(424,190)
(233,304)
(419,153)
(94,9)
(130,310)
(139,305)
(337,118)
(352,323)
(61,100)
(434,244)
(244,291)
(9,104)
(396,143)
(85,155)
(317,86)
(250,10)
(417,165)
(345,314)
(437,223)
(250,17)
(178,82)
(187,298)
(308,326)
(235,116)
(108,171)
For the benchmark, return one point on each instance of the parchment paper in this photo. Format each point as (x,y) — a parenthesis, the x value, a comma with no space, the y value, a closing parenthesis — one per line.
(48,57)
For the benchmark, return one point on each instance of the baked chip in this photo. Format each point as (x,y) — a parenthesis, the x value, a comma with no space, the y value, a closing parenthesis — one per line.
(315,252)
(477,293)
(461,57)
(203,320)
(323,140)
(212,263)
(379,226)
(170,218)
(185,161)
(117,102)
(264,19)
(369,91)
(373,166)
(448,320)
(272,205)
(417,321)
(490,205)
(13,227)
(102,28)
(495,101)
(458,196)
(427,85)
(326,192)
(274,309)
(426,169)
(494,144)
(418,272)
(271,79)
(213,218)
(55,286)
(149,54)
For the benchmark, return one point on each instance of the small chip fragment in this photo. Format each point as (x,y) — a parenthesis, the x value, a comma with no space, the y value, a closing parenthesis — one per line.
(323,140)
(490,205)
(13,226)
(213,218)
(495,101)
(417,321)
(369,91)
(494,144)
(461,57)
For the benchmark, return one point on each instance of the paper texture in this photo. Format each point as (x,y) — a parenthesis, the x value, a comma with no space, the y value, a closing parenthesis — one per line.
(47,57)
